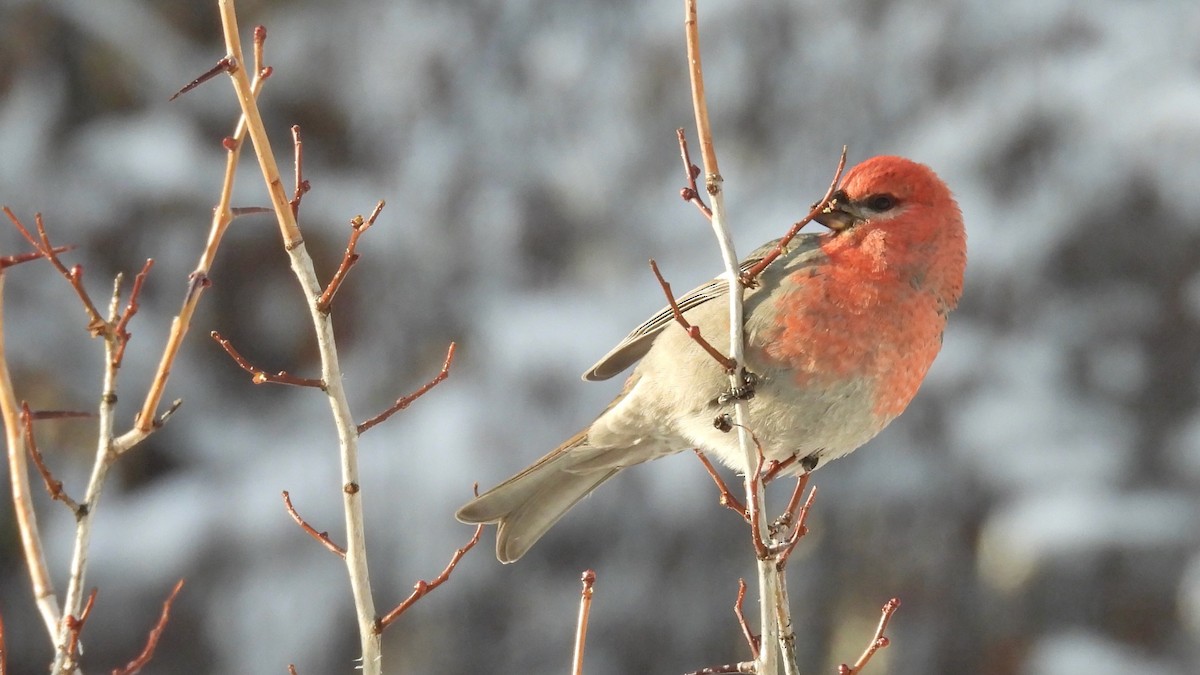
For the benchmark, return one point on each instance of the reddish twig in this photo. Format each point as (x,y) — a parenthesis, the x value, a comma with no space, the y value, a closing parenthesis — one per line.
(691,193)
(423,588)
(693,331)
(292,669)
(53,485)
(750,276)
(75,627)
(404,402)
(96,323)
(800,518)
(581,625)
(726,499)
(302,186)
(760,547)
(119,331)
(143,658)
(260,39)
(879,641)
(740,613)
(774,467)
(223,66)
(322,537)
(358,227)
(259,376)
(10,260)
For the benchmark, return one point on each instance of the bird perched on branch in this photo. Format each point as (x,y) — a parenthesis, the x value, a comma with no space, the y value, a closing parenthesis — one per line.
(839,333)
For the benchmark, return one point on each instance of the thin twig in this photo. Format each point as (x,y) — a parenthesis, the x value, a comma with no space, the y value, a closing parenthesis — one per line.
(106,455)
(302,186)
(322,537)
(22,495)
(581,625)
(784,522)
(405,401)
(423,588)
(147,653)
(691,193)
(800,528)
(259,376)
(768,576)
(726,499)
(693,331)
(357,227)
(357,567)
(96,323)
(879,641)
(222,66)
(775,466)
(147,420)
(750,276)
(74,627)
(53,485)
(10,260)
(130,309)
(740,613)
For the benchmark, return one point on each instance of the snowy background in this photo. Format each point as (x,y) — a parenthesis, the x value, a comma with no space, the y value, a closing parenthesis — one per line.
(1035,509)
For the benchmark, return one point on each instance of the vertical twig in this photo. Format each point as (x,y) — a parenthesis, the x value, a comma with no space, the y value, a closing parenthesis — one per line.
(331,373)
(581,625)
(197,281)
(64,659)
(18,473)
(768,574)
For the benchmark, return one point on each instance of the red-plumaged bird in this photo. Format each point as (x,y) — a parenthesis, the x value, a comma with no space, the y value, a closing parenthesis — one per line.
(840,332)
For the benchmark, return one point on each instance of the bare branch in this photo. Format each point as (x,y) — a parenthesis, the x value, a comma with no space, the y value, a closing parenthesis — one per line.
(750,276)
(693,331)
(259,376)
(358,227)
(222,66)
(119,331)
(75,627)
(691,193)
(879,641)
(10,260)
(581,625)
(726,499)
(422,588)
(302,186)
(322,537)
(740,613)
(96,323)
(147,653)
(53,485)
(406,401)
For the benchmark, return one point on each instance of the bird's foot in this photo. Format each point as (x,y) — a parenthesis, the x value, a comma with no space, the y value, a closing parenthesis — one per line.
(743,392)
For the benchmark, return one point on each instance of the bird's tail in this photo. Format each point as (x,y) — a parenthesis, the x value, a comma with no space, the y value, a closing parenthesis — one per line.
(529,503)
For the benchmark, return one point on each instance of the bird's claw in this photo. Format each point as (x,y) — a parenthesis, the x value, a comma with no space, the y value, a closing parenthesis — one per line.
(743,392)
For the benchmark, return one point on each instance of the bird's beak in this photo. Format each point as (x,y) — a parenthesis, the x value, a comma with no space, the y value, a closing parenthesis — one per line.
(840,214)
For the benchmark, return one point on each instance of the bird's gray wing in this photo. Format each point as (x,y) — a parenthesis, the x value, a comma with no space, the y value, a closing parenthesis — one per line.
(637,343)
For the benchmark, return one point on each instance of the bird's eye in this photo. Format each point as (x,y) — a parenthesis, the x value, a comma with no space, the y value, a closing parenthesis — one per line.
(881,202)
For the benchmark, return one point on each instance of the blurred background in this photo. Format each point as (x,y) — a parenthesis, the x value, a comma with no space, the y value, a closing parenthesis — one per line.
(1035,509)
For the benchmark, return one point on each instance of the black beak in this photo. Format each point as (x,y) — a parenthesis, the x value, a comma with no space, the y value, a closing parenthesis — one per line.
(841,213)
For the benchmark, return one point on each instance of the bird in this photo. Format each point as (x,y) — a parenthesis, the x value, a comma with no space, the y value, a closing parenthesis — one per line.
(839,333)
